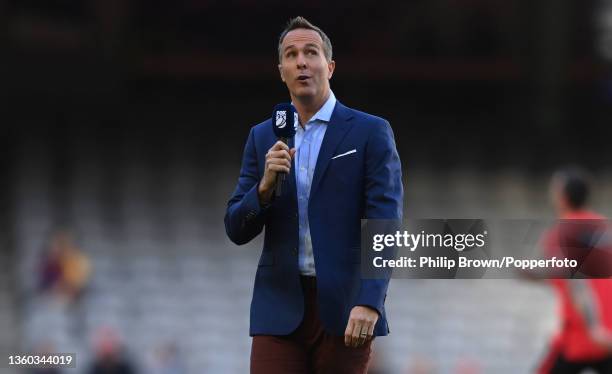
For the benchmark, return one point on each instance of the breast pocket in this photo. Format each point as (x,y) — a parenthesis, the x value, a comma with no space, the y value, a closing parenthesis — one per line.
(347,154)
(346,170)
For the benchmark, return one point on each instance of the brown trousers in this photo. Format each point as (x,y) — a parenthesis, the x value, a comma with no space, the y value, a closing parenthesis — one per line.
(309,349)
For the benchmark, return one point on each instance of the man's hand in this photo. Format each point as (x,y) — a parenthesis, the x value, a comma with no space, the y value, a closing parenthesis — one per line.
(278,160)
(360,327)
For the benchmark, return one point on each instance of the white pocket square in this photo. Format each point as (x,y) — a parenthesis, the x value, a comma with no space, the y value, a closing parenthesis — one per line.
(345,153)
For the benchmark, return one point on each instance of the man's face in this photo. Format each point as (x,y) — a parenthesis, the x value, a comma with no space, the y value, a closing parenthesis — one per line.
(303,65)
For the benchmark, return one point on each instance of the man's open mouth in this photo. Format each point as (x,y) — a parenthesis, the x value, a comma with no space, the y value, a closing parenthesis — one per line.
(303,77)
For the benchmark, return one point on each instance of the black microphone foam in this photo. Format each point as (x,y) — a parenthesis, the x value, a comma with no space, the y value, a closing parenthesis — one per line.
(284,124)
(284,121)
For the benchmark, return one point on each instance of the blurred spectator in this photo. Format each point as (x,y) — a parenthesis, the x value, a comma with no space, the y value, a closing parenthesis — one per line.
(110,357)
(168,360)
(64,269)
(50,268)
(585,337)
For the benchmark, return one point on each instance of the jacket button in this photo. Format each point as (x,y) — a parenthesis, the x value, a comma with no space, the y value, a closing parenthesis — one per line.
(295,251)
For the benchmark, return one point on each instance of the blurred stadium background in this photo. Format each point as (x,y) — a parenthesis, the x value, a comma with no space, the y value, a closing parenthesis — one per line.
(124,121)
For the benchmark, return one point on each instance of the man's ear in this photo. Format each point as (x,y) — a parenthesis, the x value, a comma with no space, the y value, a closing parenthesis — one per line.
(280,70)
(331,66)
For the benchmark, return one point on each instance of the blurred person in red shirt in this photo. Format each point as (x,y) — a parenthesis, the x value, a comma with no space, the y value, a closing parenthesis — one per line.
(584,340)
(110,356)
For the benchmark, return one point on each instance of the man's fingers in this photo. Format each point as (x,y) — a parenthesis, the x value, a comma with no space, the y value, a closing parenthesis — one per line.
(279,161)
(279,145)
(356,332)
(363,319)
(363,334)
(279,168)
(278,154)
(348,332)
(371,331)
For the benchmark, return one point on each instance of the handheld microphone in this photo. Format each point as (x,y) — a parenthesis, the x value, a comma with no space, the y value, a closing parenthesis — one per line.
(284,124)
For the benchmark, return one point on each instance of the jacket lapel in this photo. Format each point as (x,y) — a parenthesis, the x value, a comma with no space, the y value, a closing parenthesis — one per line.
(338,126)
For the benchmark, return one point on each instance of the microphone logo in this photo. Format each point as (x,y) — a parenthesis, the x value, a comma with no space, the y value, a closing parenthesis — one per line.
(281,119)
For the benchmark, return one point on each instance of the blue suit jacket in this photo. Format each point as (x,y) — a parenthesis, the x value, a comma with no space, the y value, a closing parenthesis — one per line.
(363,184)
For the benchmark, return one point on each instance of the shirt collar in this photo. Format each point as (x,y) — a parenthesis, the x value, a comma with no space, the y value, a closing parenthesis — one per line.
(324,114)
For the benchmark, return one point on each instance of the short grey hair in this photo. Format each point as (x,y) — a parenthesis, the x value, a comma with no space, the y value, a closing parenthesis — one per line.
(303,23)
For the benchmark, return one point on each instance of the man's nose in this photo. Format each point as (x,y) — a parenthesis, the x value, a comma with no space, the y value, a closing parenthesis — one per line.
(301,60)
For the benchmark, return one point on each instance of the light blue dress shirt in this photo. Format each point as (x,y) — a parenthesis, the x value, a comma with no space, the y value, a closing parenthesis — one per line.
(308,141)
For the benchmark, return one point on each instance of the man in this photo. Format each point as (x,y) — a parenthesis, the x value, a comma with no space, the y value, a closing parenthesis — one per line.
(311,311)
(584,340)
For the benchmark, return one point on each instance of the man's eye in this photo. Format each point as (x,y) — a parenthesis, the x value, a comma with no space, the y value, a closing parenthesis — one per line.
(290,54)
(311,52)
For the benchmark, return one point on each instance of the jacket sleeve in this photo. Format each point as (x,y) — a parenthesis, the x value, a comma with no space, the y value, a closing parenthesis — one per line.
(244,217)
(384,197)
